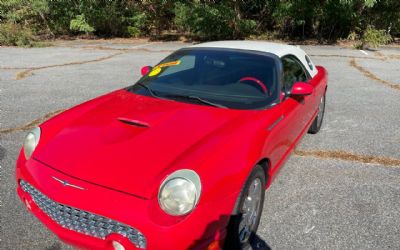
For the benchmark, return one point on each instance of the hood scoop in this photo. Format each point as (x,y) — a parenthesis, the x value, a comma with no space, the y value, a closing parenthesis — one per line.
(133,122)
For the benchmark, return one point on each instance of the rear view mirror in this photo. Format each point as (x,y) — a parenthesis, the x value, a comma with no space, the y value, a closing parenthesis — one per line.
(301,89)
(145,70)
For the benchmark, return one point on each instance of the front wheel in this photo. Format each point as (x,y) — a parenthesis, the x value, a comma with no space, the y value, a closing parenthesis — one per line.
(246,217)
(317,123)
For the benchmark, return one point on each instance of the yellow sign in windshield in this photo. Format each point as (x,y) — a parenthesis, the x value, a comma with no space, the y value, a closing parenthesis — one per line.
(167,64)
(157,69)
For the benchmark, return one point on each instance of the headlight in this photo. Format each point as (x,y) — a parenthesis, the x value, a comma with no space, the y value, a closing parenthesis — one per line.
(180,192)
(31,141)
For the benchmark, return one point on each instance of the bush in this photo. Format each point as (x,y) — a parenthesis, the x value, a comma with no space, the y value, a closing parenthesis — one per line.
(138,25)
(15,35)
(373,38)
(217,21)
(206,19)
(246,27)
(133,31)
(79,24)
(353,36)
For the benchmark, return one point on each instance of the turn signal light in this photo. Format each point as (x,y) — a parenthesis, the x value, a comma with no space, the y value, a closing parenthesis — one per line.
(214,245)
(117,245)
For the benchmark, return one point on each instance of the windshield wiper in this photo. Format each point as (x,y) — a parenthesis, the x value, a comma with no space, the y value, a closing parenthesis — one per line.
(192,97)
(152,93)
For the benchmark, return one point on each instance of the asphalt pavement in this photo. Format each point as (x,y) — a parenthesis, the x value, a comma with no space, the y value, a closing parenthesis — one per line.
(340,190)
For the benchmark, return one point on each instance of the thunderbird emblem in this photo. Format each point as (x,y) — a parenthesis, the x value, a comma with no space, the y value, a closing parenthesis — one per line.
(67,184)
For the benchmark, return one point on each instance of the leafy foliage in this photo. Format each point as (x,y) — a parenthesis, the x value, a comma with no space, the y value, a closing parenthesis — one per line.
(373,37)
(212,21)
(14,34)
(138,24)
(207,19)
(80,24)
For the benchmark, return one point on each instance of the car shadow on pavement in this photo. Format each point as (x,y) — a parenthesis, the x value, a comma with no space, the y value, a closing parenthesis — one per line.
(215,228)
(259,244)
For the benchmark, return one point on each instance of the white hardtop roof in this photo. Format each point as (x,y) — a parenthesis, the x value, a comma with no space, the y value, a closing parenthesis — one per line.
(274,48)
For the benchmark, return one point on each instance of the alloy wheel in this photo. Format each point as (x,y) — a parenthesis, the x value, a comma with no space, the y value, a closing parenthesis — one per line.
(250,210)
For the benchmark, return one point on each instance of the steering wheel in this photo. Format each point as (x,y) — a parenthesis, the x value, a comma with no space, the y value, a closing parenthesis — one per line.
(253,79)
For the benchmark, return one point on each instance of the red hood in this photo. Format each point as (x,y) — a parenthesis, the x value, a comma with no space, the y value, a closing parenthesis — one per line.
(90,143)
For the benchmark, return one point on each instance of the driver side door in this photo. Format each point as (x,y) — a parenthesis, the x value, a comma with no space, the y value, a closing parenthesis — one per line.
(293,108)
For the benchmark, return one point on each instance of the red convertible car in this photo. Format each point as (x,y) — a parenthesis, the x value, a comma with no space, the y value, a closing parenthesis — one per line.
(182,158)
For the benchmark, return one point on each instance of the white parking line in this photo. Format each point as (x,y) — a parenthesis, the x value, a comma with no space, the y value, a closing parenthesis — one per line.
(365,53)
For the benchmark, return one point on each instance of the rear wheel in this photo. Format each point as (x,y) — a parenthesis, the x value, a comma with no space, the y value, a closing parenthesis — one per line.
(246,217)
(317,123)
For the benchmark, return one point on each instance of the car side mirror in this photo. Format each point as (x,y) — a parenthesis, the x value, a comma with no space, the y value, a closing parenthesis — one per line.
(145,70)
(301,89)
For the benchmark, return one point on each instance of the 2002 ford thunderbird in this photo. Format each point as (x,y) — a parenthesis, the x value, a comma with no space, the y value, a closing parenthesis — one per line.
(179,160)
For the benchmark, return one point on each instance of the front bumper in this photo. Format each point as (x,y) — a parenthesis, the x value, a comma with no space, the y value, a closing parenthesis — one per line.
(136,222)
(81,221)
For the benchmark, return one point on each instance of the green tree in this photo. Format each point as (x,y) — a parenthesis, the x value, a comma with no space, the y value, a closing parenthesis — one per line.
(207,19)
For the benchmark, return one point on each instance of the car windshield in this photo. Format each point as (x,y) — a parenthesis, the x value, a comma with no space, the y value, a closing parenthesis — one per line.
(224,78)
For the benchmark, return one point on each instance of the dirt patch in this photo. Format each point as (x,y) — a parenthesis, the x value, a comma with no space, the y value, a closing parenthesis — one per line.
(103,48)
(380,55)
(154,51)
(29,71)
(372,76)
(348,156)
(127,49)
(66,40)
(22,74)
(13,68)
(395,57)
(31,124)
(344,56)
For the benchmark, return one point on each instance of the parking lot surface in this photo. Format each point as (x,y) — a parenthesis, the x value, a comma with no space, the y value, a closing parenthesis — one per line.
(339,190)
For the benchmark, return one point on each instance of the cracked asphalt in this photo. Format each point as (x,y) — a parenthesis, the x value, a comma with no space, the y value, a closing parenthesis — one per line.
(314,203)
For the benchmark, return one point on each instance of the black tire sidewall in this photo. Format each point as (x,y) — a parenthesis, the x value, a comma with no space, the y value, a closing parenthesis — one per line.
(323,113)
(315,127)
(232,239)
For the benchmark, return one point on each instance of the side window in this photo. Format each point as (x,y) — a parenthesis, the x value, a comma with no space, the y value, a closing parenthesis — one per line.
(293,72)
(310,64)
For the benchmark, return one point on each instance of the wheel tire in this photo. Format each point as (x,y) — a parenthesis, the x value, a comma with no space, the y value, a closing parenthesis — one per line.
(233,238)
(317,123)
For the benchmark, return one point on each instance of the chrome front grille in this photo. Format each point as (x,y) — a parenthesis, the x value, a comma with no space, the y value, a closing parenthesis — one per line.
(82,221)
